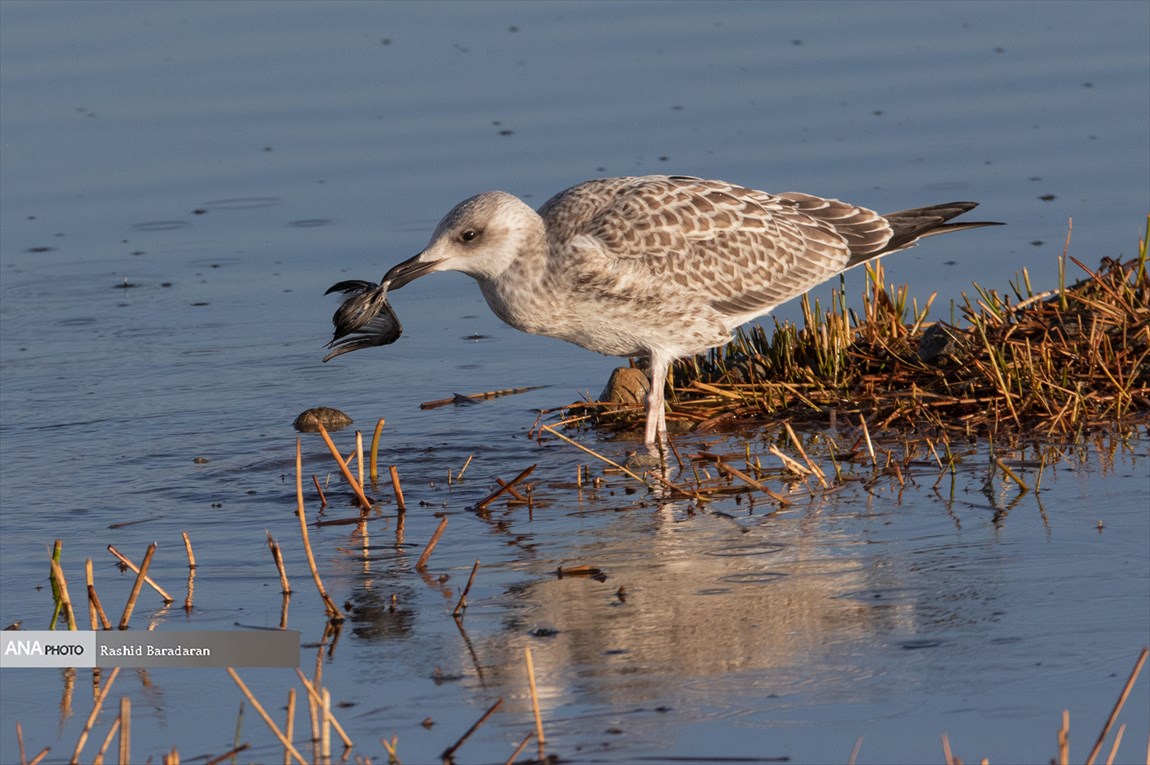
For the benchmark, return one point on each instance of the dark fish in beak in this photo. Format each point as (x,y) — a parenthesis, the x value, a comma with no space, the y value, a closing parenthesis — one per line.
(364,319)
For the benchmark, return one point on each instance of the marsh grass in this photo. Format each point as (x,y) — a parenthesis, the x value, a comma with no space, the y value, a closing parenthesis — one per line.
(1055,364)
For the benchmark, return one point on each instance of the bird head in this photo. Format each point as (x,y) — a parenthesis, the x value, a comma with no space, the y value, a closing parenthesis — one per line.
(481,237)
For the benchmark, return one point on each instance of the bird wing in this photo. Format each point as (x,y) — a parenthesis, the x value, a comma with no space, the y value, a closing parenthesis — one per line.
(364,319)
(744,251)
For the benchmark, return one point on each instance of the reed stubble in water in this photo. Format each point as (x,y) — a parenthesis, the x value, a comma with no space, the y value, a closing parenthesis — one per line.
(800,449)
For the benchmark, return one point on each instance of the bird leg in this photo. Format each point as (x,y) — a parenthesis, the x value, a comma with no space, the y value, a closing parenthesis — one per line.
(656,416)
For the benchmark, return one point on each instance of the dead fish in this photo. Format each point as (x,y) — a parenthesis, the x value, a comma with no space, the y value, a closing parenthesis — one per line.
(364,319)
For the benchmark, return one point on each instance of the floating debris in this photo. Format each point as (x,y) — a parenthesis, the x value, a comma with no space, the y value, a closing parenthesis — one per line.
(459,399)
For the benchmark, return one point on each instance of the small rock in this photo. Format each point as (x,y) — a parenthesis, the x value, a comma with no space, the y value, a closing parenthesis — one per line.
(332,419)
(940,340)
(626,386)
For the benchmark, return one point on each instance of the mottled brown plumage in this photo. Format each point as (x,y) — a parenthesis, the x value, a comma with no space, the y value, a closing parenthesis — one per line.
(657,266)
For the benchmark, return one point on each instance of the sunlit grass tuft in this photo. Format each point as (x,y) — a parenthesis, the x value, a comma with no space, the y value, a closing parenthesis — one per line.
(1054,364)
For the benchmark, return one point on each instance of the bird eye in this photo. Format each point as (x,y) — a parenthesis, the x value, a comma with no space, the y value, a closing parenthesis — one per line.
(469,235)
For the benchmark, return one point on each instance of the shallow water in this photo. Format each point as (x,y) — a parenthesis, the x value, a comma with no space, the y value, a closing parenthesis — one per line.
(182,181)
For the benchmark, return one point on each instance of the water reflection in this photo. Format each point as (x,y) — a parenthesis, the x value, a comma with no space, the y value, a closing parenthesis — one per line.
(705,611)
(689,597)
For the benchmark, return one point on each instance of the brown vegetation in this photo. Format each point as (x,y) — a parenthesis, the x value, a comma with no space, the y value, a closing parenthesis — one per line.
(1055,363)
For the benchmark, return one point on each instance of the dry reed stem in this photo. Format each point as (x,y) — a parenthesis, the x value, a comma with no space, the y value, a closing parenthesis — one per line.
(946,754)
(503,488)
(477,396)
(1117,743)
(1064,739)
(419,564)
(462,604)
(68,689)
(359,456)
(1011,475)
(1118,704)
(818,473)
(313,706)
(373,469)
(277,556)
(58,605)
(96,706)
(462,470)
(229,755)
(188,547)
(869,444)
(125,730)
(399,503)
(673,487)
(325,727)
(112,730)
(20,743)
(510,489)
(40,757)
(449,752)
(675,451)
(580,569)
(855,751)
(534,699)
(266,718)
(141,577)
(333,612)
(681,491)
(159,590)
(705,388)
(594,454)
(319,491)
(354,484)
(284,604)
(62,588)
(289,723)
(728,469)
(790,463)
(191,590)
(400,523)
(314,695)
(390,746)
(519,749)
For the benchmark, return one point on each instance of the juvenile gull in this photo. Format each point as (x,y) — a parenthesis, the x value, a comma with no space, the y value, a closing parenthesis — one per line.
(658,266)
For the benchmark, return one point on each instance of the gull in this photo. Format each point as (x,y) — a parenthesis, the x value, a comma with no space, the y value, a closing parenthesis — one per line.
(658,267)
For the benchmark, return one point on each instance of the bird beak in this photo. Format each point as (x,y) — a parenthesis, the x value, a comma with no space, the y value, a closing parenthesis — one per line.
(408,270)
